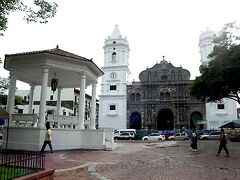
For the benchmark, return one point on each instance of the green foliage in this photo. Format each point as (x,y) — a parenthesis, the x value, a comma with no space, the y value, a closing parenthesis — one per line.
(3,99)
(42,11)
(18,100)
(4,84)
(220,78)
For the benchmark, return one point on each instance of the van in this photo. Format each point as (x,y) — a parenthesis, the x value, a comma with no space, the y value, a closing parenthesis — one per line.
(118,132)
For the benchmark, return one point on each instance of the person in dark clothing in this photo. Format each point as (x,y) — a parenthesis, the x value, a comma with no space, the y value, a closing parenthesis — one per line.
(194,140)
(223,143)
(48,138)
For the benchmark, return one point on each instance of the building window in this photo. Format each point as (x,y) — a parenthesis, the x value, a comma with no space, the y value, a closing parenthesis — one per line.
(220,106)
(132,97)
(168,96)
(20,111)
(114,59)
(113,87)
(162,96)
(138,97)
(112,107)
(179,77)
(51,97)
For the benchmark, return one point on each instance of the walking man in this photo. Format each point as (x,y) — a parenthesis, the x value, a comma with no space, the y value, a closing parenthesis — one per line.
(223,143)
(48,138)
(194,140)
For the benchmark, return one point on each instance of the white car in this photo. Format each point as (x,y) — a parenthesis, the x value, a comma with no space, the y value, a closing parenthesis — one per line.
(211,136)
(125,135)
(154,137)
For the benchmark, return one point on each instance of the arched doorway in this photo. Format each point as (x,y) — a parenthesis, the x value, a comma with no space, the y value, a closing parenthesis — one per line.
(165,120)
(195,116)
(135,121)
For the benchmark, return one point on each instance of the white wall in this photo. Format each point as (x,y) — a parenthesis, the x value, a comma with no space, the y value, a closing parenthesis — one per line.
(217,117)
(116,119)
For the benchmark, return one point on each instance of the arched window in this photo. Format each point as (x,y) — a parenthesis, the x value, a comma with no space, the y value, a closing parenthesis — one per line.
(179,77)
(114,59)
(132,97)
(138,97)
(161,96)
(168,96)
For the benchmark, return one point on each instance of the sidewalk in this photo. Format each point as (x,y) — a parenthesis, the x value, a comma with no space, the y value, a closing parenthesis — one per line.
(138,160)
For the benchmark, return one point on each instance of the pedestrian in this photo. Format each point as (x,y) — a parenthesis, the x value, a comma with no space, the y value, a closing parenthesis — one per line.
(194,140)
(48,138)
(222,143)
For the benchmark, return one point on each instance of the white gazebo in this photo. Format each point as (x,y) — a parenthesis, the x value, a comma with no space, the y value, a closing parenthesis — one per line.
(58,69)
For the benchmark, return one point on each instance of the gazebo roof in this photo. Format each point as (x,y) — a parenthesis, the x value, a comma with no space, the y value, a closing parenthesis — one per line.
(65,65)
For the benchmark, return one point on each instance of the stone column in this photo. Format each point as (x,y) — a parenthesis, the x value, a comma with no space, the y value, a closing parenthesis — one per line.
(31,99)
(11,93)
(93,107)
(59,100)
(43,97)
(81,110)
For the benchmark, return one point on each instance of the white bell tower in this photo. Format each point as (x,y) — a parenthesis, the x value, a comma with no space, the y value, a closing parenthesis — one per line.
(206,45)
(113,98)
(225,110)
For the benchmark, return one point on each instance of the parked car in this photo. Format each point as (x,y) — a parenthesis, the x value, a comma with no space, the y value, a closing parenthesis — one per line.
(154,137)
(118,132)
(167,133)
(234,137)
(211,136)
(125,135)
(179,136)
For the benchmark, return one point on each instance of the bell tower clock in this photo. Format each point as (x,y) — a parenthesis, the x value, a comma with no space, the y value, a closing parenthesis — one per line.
(113,98)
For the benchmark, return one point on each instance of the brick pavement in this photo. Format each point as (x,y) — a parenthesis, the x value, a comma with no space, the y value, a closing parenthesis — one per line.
(168,160)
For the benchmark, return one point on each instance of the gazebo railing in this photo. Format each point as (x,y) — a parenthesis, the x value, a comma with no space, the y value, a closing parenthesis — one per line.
(61,121)
(56,121)
(24,120)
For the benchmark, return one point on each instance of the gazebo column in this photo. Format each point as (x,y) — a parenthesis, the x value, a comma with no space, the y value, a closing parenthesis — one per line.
(11,93)
(93,107)
(81,110)
(31,99)
(59,100)
(43,97)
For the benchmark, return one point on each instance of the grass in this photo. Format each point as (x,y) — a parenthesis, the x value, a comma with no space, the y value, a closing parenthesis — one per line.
(13,172)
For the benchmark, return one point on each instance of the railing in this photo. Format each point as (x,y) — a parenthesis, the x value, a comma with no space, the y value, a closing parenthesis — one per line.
(25,120)
(61,121)
(15,163)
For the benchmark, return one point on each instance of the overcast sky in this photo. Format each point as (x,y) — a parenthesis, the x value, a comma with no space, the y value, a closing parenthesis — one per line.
(153,28)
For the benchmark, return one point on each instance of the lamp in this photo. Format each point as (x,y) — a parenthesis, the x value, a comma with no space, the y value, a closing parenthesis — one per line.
(54,83)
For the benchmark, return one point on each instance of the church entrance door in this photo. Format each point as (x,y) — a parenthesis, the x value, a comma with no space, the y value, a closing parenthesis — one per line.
(193,121)
(165,120)
(135,121)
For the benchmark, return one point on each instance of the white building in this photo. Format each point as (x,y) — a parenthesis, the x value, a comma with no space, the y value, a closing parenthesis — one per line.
(225,111)
(113,98)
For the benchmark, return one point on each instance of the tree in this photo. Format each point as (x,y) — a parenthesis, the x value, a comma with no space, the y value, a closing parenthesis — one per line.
(40,12)
(220,78)
(18,100)
(4,84)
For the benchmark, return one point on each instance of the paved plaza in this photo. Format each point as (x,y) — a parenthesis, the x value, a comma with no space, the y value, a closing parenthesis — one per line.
(165,160)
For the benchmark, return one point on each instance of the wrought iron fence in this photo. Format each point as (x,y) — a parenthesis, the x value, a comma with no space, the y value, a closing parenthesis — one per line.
(16,163)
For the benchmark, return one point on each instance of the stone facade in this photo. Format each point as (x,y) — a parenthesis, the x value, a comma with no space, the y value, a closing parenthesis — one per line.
(161,100)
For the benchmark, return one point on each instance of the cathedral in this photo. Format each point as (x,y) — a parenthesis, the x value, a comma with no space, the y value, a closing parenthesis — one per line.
(160,100)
